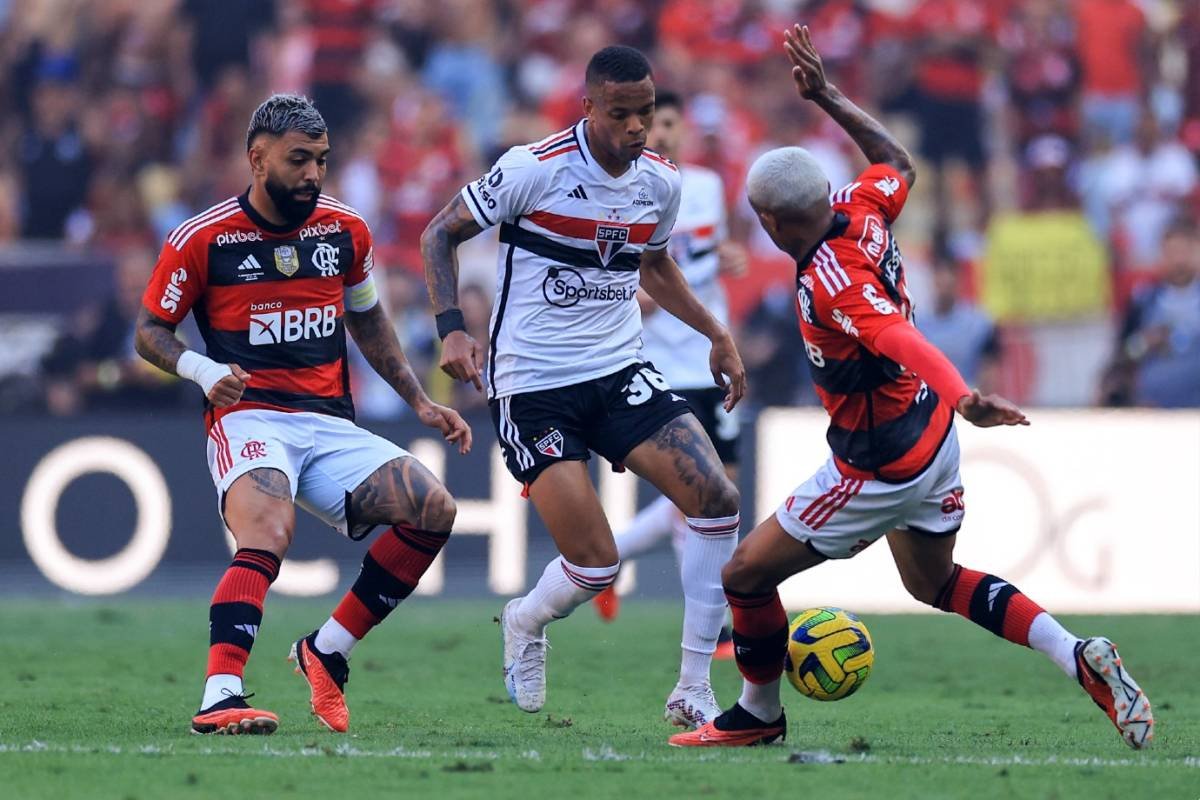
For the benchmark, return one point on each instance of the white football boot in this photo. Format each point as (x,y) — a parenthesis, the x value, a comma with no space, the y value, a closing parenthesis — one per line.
(691,706)
(1105,679)
(524,663)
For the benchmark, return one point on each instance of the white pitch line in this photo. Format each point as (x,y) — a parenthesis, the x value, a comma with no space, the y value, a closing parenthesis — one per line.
(607,753)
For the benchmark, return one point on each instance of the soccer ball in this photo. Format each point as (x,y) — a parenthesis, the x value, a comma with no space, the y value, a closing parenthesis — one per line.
(829,653)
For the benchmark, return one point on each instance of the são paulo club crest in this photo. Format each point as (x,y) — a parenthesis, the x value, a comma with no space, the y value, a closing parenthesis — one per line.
(551,444)
(609,241)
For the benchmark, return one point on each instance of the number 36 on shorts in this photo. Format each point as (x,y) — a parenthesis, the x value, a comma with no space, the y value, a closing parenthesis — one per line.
(643,385)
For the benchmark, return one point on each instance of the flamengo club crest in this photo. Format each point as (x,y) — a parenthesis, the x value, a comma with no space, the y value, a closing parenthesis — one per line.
(551,444)
(611,236)
(287,260)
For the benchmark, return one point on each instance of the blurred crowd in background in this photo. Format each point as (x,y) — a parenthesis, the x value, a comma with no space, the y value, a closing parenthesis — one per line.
(1051,239)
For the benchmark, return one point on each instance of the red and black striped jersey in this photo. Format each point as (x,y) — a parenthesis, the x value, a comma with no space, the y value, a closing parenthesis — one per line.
(885,422)
(270,299)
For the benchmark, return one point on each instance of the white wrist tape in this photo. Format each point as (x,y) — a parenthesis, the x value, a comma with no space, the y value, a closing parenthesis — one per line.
(201,369)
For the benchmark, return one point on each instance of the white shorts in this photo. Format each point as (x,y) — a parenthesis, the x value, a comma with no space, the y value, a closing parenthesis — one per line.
(838,517)
(324,458)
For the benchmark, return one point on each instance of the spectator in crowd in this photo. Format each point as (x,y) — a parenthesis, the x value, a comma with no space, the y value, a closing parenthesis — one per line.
(1157,362)
(1138,188)
(1114,50)
(961,329)
(93,366)
(54,161)
(951,41)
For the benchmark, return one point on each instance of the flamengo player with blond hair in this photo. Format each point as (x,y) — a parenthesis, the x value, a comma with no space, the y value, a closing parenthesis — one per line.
(894,468)
(275,278)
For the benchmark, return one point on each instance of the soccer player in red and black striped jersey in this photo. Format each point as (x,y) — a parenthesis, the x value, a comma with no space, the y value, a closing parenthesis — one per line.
(891,398)
(275,278)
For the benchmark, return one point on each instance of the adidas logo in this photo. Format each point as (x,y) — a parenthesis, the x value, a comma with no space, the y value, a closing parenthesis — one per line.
(578,193)
(390,602)
(252,630)
(993,591)
(250,262)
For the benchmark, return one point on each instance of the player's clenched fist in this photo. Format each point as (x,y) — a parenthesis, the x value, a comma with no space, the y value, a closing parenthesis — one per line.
(462,358)
(228,390)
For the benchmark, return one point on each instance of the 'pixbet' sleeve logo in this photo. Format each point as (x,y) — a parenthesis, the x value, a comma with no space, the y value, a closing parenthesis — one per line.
(293,325)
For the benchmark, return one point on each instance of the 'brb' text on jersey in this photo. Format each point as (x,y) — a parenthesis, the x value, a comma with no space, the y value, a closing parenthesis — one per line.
(885,422)
(270,299)
(676,349)
(571,238)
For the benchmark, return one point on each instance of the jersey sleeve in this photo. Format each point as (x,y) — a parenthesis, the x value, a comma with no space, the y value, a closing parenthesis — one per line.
(853,300)
(666,223)
(879,188)
(509,190)
(360,293)
(177,282)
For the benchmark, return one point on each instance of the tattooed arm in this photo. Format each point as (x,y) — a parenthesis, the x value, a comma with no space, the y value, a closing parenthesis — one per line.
(155,341)
(462,357)
(874,140)
(376,338)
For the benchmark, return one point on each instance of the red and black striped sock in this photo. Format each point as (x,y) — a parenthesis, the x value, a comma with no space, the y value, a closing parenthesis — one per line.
(989,602)
(759,635)
(390,571)
(237,609)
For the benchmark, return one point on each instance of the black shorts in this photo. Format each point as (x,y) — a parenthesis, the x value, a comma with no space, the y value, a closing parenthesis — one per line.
(721,426)
(610,415)
(951,129)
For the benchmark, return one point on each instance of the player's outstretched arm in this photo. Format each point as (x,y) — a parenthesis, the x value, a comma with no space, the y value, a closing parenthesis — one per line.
(874,140)
(155,341)
(462,357)
(376,338)
(664,282)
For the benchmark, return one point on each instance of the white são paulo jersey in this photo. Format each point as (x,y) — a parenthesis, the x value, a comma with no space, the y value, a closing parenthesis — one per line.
(571,242)
(675,349)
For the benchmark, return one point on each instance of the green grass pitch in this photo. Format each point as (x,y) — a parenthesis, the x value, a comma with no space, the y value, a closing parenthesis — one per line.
(98,696)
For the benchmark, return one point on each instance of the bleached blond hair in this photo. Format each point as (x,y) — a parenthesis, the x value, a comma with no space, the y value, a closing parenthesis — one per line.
(786,180)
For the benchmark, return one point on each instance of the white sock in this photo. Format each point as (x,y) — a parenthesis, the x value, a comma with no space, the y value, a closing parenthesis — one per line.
(562,588)
(333,637)
(708,547)
(220,687)
(761,700)
(1047,636)
(680,533)
(651,525)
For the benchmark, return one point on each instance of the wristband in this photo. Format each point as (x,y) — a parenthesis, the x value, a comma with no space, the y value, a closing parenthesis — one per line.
(449,321)
(201,370)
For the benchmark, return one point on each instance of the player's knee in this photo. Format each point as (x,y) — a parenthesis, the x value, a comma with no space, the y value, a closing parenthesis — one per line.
(264,534)
(722,501)
(741,575)
(439,510)
(923,586)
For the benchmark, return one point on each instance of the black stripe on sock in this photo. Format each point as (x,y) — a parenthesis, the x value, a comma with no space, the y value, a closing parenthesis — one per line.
(374,583)
(991,616)
(760,651)
(223,619)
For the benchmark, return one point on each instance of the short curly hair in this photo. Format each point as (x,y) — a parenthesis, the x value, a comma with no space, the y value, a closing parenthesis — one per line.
(619,64)
(281,113)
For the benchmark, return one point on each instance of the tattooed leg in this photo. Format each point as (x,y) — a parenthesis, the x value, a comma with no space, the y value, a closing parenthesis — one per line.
(680,461)
(259,511)
(403,492)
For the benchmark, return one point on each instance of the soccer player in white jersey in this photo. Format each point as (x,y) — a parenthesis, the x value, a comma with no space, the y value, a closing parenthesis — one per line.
(584,216)
(703,251)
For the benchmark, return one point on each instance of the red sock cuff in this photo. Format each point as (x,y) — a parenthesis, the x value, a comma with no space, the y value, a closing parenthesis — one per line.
(756,615)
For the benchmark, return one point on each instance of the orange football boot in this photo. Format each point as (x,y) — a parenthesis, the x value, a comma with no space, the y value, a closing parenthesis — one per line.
(1103,677)
(326,674)
(737,727)
(234,716)
(608,604)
